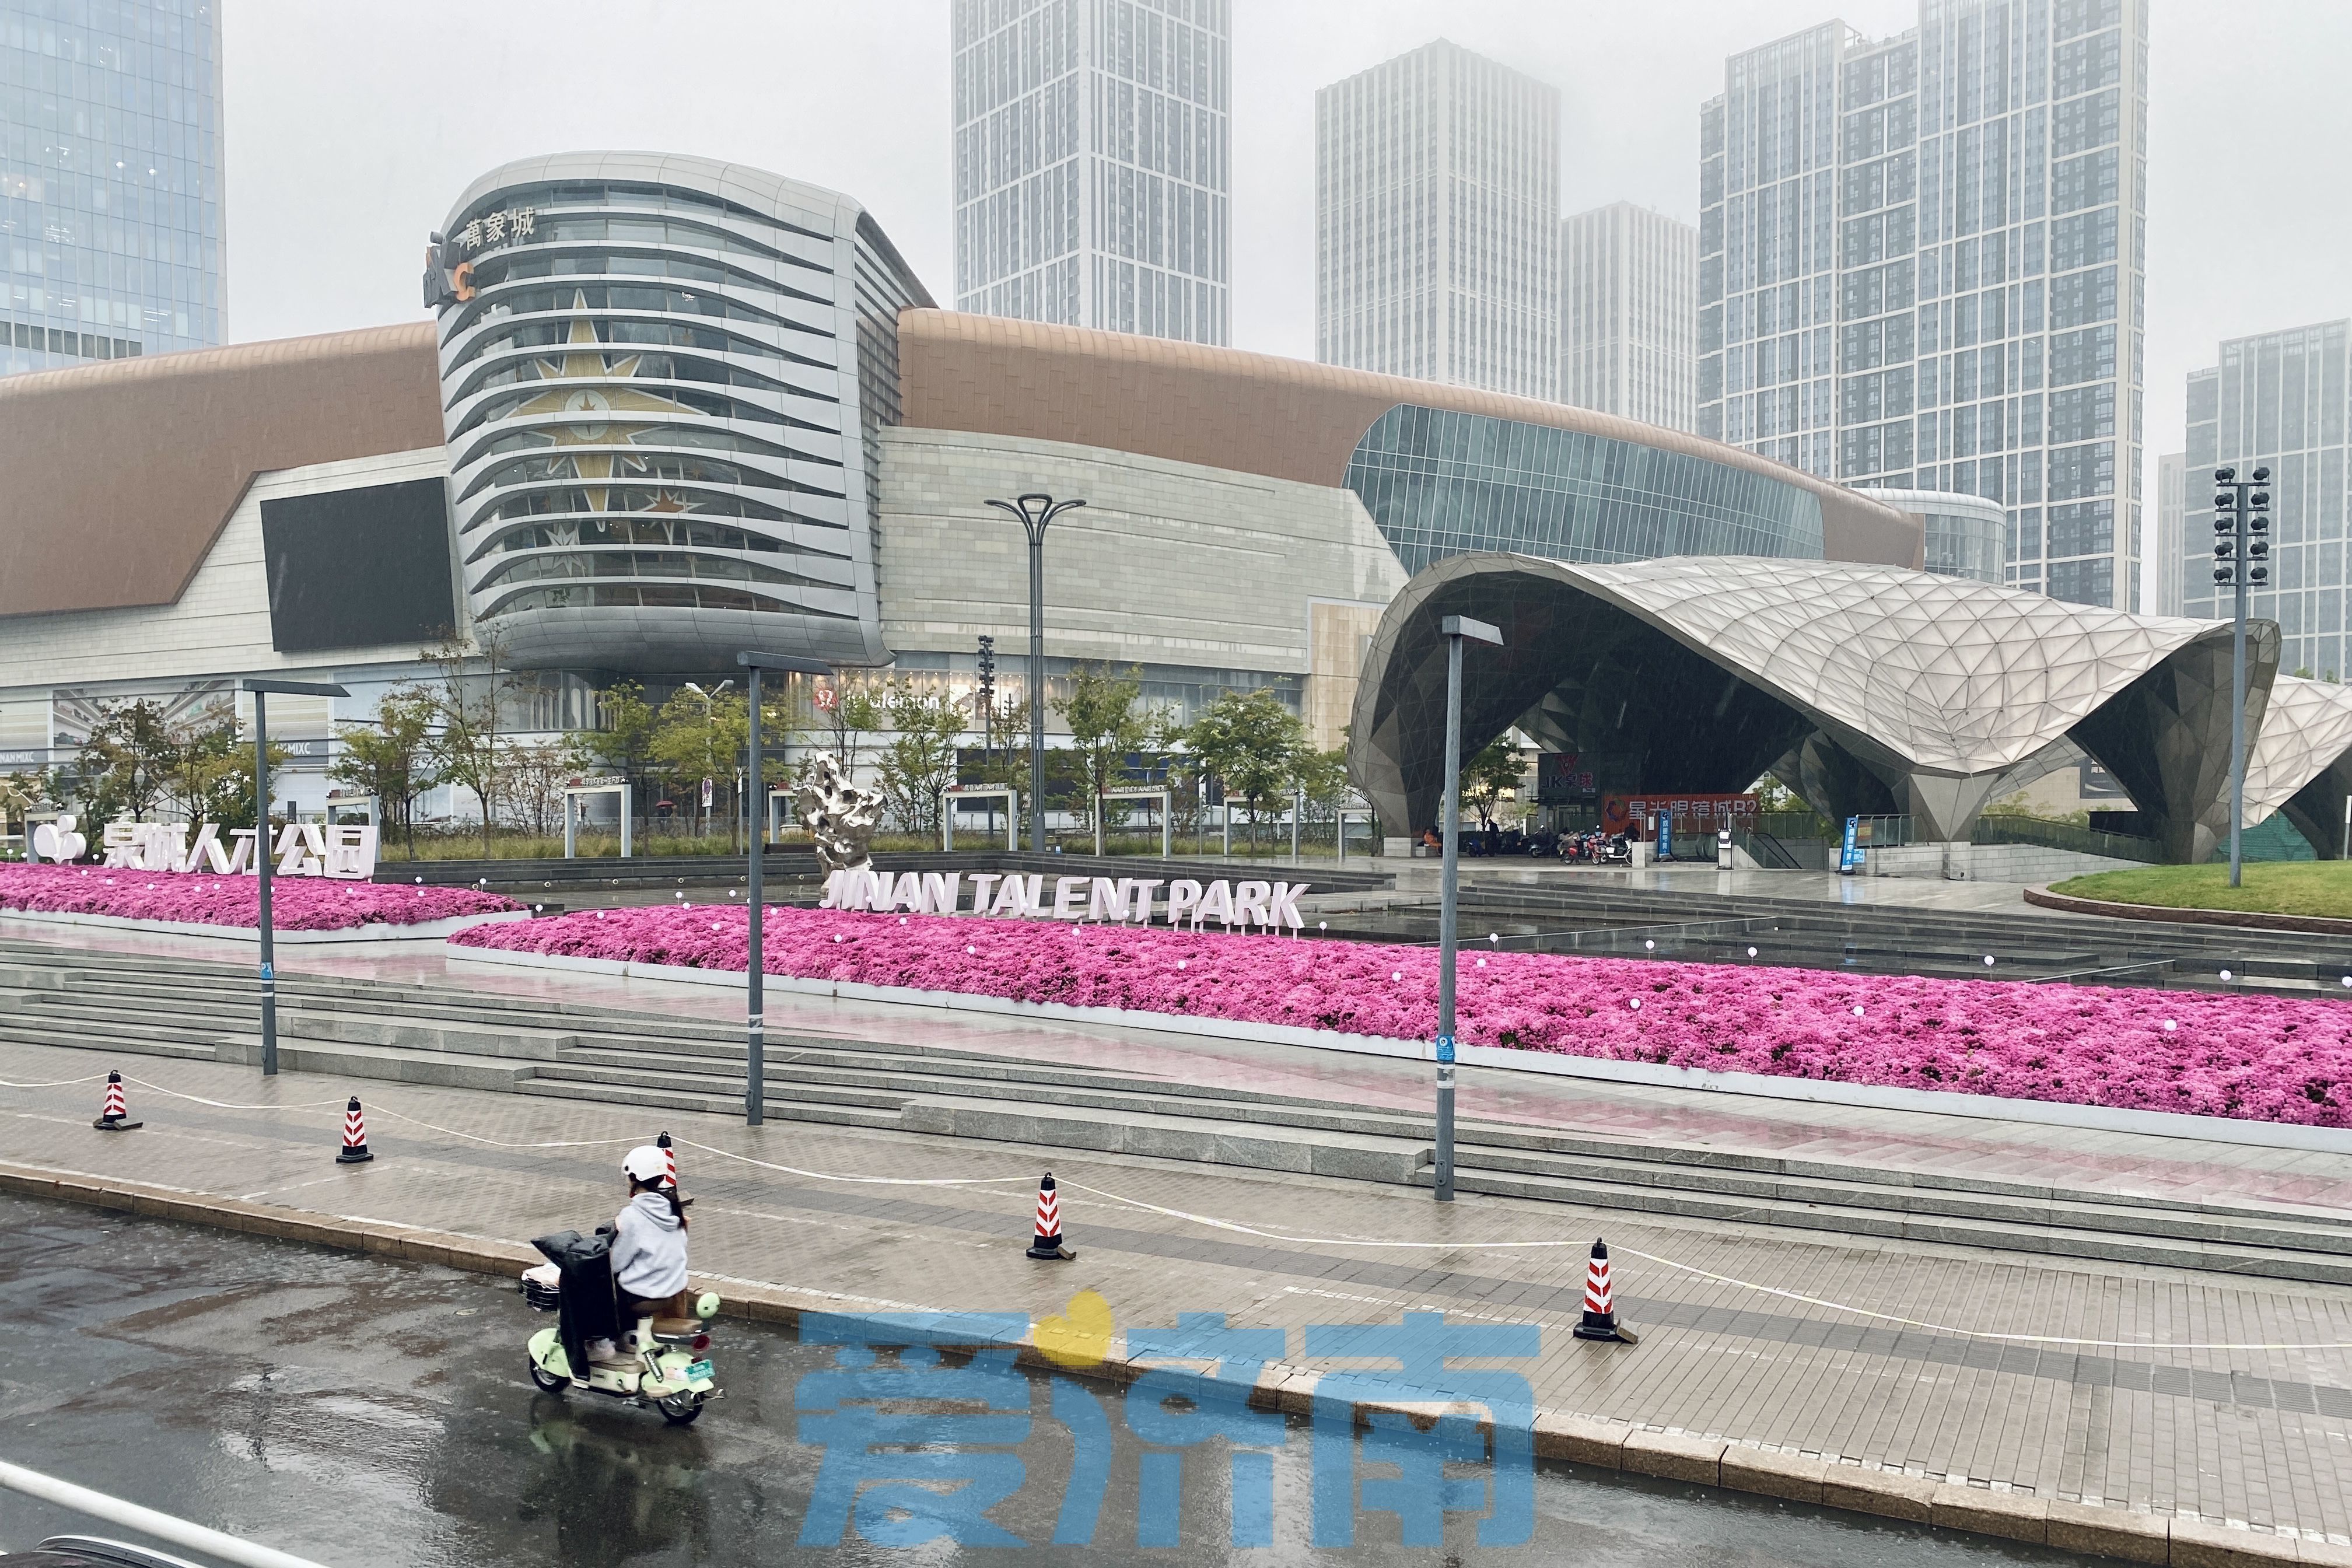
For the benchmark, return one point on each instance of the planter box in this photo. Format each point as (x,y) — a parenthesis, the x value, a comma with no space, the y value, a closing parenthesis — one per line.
(427,935)
(2052,1113)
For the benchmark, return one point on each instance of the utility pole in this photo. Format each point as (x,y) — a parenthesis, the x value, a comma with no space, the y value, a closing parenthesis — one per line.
(755,976)
(264,846)
(2242,521)
(1035,511)
(1456,628)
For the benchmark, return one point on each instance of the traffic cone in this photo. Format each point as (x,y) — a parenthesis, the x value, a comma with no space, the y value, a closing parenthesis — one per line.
(1600,1305)
(355,1149)
(669,1152)
(1047,1244)
(115,1116)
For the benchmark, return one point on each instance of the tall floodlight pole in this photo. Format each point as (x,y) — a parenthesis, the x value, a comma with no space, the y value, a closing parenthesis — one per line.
(1456,628)
(755,976)
(2241,518)
(262,847)
(1035,511)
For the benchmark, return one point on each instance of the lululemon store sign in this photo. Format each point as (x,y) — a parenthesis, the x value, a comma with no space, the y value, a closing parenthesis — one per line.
(1238,906)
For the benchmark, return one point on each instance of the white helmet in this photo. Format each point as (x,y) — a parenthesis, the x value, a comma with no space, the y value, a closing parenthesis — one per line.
(645,1163)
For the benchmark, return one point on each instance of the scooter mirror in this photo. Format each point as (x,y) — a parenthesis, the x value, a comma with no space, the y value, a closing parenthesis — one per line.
(705,1306)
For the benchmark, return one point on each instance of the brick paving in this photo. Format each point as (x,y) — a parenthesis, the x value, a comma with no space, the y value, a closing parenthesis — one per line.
(2259,1436)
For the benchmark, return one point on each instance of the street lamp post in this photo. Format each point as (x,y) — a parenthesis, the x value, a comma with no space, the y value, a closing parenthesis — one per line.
(262,847)
(1035,511)
(2242,519)
(755,988)
(1456,628)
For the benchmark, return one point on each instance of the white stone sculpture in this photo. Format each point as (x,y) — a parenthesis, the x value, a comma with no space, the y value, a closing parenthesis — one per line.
(840,815)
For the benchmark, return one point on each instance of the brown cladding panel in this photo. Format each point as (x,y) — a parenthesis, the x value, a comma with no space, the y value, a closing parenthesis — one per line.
(121,475)
(1258,414)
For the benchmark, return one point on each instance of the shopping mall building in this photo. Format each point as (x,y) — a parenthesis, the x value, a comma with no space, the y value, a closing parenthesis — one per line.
(666,409)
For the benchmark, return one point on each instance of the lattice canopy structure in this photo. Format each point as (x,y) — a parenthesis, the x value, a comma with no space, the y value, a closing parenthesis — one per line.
(1868,689)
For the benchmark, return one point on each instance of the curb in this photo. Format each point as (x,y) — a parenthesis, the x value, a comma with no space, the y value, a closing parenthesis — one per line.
(2254,919)
(1717,1462)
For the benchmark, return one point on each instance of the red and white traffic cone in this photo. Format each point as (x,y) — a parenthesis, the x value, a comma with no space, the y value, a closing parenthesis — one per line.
(115,1116)
(1600,1305)
(669,1152)
(355,1149)
(1048,1243)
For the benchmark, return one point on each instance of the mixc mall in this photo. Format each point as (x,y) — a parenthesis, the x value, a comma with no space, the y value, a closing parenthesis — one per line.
(666,410)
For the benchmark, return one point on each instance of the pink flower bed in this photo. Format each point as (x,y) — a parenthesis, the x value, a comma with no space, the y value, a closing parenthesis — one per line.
(2256,1057)
(201,898)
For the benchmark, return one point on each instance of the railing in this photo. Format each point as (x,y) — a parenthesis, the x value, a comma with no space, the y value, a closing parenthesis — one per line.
(1766,850)
(2034,830)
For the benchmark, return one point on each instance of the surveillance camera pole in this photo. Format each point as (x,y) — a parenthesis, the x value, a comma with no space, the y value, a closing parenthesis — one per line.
(1455,629)
(2242,513)
(262,846)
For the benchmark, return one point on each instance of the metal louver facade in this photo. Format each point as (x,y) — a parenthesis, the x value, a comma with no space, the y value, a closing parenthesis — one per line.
(662,381)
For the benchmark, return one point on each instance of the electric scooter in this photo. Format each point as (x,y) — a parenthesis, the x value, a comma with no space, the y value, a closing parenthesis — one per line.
(668,1367)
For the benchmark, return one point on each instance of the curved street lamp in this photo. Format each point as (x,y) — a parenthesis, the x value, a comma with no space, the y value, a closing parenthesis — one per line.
(1035,511)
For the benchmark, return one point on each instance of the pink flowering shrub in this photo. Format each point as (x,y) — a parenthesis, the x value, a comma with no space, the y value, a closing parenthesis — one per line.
(2257,1058)
(201,898)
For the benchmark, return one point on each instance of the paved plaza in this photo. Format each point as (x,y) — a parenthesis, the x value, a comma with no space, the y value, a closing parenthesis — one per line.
(2176,1396)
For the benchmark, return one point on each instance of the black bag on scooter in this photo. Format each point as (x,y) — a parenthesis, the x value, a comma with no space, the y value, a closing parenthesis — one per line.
(586,1310)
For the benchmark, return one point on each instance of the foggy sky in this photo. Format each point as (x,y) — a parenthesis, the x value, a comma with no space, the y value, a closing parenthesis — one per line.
(352,127)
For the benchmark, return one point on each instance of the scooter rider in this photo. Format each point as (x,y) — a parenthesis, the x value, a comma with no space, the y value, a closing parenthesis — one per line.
(649,1254)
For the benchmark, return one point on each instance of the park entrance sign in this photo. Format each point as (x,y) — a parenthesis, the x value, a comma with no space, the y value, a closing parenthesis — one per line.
(1272,906)
(345,853)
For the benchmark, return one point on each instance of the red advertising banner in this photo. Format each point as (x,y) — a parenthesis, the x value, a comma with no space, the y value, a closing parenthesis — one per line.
(1620,812)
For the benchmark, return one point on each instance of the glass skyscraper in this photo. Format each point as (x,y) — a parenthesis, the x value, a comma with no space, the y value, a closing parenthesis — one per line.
(1437,222)
(111,235)
(1922,264)
(1094,164)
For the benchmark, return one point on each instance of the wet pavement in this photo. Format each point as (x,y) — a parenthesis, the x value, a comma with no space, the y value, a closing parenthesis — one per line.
(361,1411)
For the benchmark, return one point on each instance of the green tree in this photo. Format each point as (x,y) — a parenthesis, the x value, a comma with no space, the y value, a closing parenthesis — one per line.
(1105,728)
(919,761)
(466,739)
(390,757)
(125,764)
(623,743)
(1486,777)
(1253,743)
(703,737)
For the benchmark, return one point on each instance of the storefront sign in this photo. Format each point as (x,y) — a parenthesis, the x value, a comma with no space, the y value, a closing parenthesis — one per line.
(1689,811)
(1116,900)
(493,228)
(303,850)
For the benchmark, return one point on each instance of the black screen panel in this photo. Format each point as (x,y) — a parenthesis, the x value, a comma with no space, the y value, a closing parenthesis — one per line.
(357,568)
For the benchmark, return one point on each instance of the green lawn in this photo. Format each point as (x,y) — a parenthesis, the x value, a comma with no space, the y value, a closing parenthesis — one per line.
(2276,887)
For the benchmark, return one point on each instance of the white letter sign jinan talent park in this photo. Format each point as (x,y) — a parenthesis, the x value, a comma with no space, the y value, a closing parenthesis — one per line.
(1269,906)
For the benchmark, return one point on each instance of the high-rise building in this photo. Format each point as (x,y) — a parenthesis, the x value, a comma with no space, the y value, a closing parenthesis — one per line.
(1629,314)
(2170,559)
(1094,164)
(112,239)
(1437,222)
(2281,400)
(1921,265)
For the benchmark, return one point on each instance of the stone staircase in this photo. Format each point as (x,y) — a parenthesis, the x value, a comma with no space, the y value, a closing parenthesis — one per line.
(442,1035)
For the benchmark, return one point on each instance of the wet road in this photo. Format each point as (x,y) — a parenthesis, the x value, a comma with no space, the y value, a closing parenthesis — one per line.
(363,1411)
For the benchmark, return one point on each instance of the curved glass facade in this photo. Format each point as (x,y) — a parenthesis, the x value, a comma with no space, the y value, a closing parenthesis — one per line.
(662,380)
(1439,483)
(1966,535)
